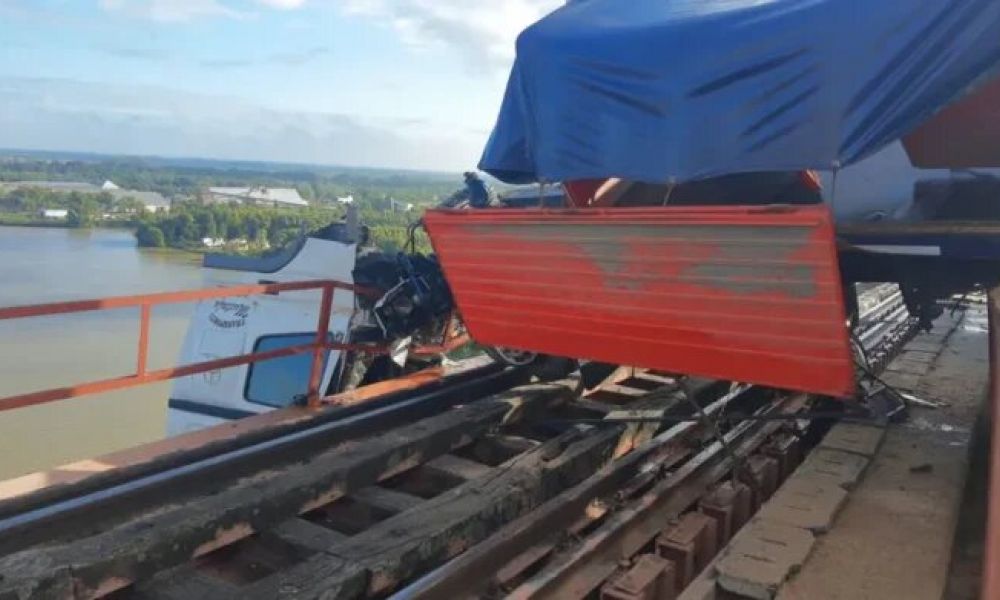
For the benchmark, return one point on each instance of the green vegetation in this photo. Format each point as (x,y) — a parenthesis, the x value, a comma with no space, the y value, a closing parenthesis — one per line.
(23,206)
(379,196)
(252,229)
(180,179)
(243,228)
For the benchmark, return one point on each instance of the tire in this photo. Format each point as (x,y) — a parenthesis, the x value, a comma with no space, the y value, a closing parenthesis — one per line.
(542,366)
(511,357)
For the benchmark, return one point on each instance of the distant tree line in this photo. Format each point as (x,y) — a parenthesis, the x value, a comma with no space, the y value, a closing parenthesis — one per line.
(378,194)
(184,181)
(84,209)
(188,223)
(259,228)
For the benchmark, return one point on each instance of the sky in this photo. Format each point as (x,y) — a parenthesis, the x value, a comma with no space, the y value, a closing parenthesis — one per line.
(410,84)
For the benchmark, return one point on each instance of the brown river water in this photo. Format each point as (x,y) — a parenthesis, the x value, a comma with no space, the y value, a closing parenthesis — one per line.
(51,265)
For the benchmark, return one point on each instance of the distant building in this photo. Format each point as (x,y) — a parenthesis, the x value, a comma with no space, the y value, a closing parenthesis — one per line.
(55,186)
(349,199)
(151,201)
(261,196)
(53,213)
(398,206)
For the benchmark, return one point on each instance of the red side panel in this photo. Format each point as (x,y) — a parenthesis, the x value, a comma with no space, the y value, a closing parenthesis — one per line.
(581,191)
(749,294)
(964,135)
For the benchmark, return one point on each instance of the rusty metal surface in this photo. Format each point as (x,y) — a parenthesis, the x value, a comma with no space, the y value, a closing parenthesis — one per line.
(743,293)
(963,135)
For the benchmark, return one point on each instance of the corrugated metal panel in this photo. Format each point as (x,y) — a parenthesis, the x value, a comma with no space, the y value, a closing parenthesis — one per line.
(741,293)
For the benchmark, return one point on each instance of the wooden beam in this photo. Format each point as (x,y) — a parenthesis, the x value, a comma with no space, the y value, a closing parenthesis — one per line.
(404,546)
(456,467)
(580,571)
(35,487)
(185,583)
(385,499)
(306,534)
(171,535)
(544,528)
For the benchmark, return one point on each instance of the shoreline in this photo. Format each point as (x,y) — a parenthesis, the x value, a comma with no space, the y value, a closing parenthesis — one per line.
(54,224)
(193,255)
(163,251)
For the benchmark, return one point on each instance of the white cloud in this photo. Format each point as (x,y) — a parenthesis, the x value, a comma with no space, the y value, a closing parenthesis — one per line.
(283,4)
(170,11)
(60,114)
(483,31)
(179,11)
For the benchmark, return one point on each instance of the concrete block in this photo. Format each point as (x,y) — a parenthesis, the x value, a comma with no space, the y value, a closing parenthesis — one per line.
(649,578)
(843,468)
(787,450)
(805,501)
(731,506)
(765,471)
(902,364)
(903,381)
(919,356)
(690,543)
(761,557)
(923,345)
(702,588)
(851,437)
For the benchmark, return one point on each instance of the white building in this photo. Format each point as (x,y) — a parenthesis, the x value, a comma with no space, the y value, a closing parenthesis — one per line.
(349,199)
(151,201)
(398,206)
(53,213)
(256,195)
(109,185)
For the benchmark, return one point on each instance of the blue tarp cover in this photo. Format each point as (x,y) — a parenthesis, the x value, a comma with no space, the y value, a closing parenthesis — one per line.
(662,90)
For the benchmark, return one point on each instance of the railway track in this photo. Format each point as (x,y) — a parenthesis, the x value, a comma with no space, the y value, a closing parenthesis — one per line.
(463,491)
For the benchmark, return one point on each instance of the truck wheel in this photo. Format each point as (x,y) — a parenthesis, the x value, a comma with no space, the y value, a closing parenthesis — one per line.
(542,366)
(510,356)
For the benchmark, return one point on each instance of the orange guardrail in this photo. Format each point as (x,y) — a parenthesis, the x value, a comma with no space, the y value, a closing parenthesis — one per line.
(146,302)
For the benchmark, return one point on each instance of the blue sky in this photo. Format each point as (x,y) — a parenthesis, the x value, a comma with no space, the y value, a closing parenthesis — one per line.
(396,83)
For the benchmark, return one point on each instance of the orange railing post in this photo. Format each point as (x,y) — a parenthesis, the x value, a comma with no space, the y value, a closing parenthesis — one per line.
(143,351)
(322,332)
(146,303)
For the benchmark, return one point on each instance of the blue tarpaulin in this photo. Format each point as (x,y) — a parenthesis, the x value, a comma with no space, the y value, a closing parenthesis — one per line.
(673,90)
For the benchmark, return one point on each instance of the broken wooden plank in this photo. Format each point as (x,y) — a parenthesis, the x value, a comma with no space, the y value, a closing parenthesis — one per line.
(173,534)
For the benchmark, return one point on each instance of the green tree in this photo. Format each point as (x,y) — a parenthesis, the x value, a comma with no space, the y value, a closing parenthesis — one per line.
(206,224)
(82,212)
(150,236)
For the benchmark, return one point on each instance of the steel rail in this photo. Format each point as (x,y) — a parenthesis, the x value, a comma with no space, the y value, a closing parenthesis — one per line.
(146,302)
(456,578)
(580,571)
(35,524)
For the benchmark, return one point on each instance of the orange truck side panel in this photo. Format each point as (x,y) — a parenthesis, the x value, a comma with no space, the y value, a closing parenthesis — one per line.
(749,294)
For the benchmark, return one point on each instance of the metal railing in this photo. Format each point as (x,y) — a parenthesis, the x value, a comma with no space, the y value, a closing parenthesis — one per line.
(146,302)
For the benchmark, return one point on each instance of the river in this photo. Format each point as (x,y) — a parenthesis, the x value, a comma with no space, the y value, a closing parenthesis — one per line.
(53,264)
